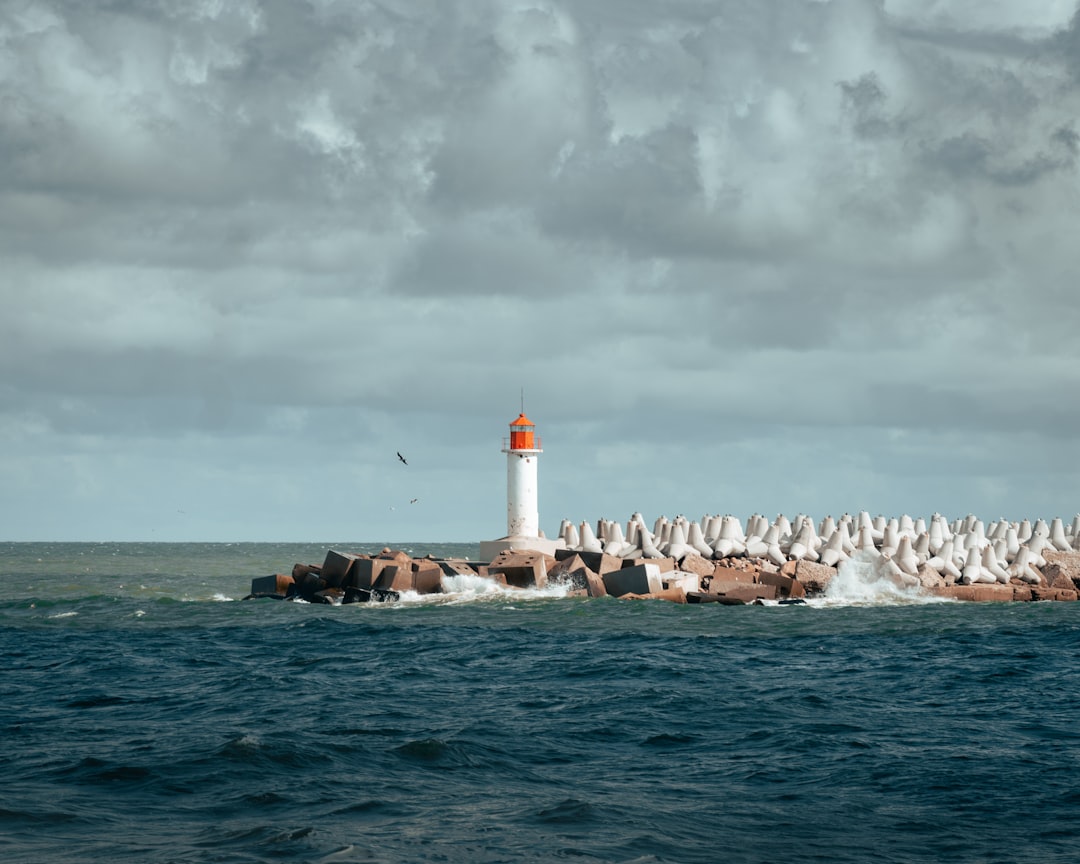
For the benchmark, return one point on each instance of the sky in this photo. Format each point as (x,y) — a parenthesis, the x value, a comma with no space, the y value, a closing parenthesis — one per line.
(732,256)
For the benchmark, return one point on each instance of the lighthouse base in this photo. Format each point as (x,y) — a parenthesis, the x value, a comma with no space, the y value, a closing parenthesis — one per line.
(490,549)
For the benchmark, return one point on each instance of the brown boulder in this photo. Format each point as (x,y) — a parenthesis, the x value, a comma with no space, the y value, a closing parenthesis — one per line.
(930,579)
(697,564)
(1067,564)
(1056,575)
(814,577)
(750,565)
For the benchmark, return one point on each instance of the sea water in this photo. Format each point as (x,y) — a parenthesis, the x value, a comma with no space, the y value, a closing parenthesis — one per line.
(150,715)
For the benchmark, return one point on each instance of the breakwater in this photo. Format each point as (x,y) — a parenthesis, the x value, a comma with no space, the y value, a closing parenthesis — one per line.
(720,559)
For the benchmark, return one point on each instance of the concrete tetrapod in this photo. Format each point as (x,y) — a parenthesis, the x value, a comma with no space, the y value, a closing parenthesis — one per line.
(589,541)
(697,541)
(991,565)
(1057,536)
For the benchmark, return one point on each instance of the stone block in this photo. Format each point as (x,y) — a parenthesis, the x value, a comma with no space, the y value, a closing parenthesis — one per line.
(638,579)
(301,570)
(747,592)
(714,598)
(277,583)
(310,585)
(567,564)
(1039,592)
(672,595)
(786,586)
(686,580)
(595,585)
(457,567)
(391,577)
(356,595)
(599,562)
(365,571)
(980,592)
(328,596)
(336,566)
(397,579)
(1021,592)
(427,578)
(665,565)
(730,574)
(522,569)
(572,572)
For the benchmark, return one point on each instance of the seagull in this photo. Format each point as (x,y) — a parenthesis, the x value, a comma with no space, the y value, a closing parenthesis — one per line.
(402,458)
(413,500)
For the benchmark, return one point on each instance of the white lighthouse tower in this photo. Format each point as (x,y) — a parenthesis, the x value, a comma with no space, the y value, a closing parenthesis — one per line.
(522,455)
(522,451)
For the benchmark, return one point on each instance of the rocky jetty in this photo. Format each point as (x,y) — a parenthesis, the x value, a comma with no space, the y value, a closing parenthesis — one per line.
(963,559)
(721,560)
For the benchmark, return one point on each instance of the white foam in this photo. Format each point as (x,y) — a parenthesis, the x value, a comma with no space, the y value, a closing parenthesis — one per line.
(470,588)
(864,580)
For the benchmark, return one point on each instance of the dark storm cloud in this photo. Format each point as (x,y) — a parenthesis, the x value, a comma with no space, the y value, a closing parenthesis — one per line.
(807,228)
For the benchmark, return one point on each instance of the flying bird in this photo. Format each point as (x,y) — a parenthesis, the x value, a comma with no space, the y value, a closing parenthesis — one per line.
(413,500)
(402,458)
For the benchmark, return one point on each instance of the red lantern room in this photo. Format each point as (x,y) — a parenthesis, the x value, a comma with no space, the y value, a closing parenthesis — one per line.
(523,434)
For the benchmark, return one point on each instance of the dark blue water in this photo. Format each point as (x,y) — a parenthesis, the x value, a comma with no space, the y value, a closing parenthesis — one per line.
(145,718)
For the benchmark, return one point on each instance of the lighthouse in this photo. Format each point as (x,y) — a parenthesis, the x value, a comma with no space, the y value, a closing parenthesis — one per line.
(523,533)
(522,454)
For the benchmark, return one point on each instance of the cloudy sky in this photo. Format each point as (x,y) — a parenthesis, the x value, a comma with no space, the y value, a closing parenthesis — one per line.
(799,256)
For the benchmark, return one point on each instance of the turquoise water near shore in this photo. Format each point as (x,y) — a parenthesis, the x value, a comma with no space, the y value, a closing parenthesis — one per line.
(149,715)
